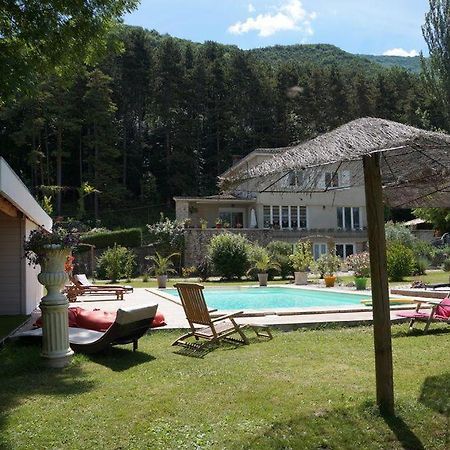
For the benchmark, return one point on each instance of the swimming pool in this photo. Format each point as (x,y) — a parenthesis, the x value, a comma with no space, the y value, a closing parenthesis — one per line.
(276,297)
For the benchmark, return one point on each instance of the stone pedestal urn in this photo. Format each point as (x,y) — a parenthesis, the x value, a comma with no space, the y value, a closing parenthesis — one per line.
(54,307)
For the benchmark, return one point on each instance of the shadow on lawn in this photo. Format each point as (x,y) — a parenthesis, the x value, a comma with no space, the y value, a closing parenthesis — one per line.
(23,376)
(360,427)
(418,331)
(435,394)
(120,359)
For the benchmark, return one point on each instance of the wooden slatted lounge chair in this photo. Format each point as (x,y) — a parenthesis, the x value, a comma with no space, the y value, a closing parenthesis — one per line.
(440,312)
(220,328)
(130,325)
(81,286)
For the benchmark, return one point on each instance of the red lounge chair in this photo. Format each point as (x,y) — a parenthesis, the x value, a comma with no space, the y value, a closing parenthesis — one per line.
(440,312)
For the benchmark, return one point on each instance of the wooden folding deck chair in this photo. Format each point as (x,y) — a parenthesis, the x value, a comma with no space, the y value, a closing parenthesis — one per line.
(220,328)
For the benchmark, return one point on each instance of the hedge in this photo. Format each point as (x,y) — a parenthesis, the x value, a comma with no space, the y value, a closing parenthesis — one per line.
(130,237)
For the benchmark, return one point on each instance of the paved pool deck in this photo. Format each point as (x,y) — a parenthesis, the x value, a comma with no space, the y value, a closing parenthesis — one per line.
(284,319)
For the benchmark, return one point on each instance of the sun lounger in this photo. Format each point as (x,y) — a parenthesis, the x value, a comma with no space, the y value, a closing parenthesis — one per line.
(440,312)
(130,325)
(220,328)
(81,286)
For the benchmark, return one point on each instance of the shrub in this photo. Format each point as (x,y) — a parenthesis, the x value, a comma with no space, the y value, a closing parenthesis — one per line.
(280,252)
(420,266)
(229,254)
(167,235)
(261,260)
(446,265)
(116,262)
(360,264)
(302,257)
(400,261)
(328,264)
(399,233)
(188,272)
(130,237)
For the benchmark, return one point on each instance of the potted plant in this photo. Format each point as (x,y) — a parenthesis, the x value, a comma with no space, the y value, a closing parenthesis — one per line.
(360,264)
(52,252)
(218,223)
(226,225)
(162,266)
(203,224)
(261,264)
(329,264)
(301,260)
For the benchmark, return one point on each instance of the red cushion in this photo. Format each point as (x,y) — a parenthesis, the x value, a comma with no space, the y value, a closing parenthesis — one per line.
(98,320)
(158,321)
(95,320)
(73,313)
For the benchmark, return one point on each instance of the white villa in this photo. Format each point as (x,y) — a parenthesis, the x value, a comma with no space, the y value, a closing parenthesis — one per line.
(334,219)
(20,213)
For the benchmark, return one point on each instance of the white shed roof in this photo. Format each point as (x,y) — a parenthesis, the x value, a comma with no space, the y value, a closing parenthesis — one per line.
(13,190)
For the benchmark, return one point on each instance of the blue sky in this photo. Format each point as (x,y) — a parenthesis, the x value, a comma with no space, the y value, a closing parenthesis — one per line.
(357,26)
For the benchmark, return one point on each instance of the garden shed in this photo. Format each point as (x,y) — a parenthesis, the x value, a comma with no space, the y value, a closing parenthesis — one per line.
(403,167)
(20,213)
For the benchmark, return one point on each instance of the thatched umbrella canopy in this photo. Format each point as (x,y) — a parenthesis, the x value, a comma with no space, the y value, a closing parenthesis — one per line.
(415,164)
(410,165)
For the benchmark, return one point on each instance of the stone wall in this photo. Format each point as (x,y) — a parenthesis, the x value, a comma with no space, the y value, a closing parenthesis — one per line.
(197,240)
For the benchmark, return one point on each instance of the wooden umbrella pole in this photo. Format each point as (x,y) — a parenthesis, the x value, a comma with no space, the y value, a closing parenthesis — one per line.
(379,282)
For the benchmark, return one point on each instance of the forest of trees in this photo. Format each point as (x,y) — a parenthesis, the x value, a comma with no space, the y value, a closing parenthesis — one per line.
(163,117)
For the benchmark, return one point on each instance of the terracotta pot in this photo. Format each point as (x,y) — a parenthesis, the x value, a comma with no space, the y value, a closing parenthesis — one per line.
(162,281)
(301,278)
(263,277)
(329,280)
(218,226)
(360,283)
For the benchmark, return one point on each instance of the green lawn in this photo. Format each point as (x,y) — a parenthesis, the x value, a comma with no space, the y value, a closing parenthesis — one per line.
(10,323)
(430,278)
(303,390)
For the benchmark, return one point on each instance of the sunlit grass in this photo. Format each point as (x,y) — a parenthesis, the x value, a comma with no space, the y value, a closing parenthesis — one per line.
(302,390)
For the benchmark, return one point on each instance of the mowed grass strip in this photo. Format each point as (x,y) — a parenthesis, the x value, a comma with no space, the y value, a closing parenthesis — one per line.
(302,390)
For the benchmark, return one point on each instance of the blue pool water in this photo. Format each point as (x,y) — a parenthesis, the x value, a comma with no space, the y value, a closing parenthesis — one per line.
(276,297)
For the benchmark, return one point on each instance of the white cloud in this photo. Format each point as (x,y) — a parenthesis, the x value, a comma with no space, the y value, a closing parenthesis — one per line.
(251,8)
(291,15)
(401,52)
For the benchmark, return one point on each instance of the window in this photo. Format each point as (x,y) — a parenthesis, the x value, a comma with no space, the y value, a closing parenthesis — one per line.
(267,216)
(331,179)
(319,249)
(295,178)
(345,250)
(348,218)
(285,217)
(233,219)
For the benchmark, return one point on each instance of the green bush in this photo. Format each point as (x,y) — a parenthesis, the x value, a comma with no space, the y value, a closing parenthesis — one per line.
(420,266)
(130,237)
(399,233)
(116,262)
(400,261)
(446,265)
(280,252)
(229,254)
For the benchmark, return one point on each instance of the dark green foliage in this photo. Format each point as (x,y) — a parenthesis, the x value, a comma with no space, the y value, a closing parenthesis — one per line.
(46,37)
(446,265)
(131,237)
(229,254)
(165,116)
(115,263)
(280,252)
(400,261)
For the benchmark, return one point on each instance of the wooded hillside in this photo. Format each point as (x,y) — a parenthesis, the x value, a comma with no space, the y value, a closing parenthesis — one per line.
(164,116)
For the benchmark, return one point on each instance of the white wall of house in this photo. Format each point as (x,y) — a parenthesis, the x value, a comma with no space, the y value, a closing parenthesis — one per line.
(33,289)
